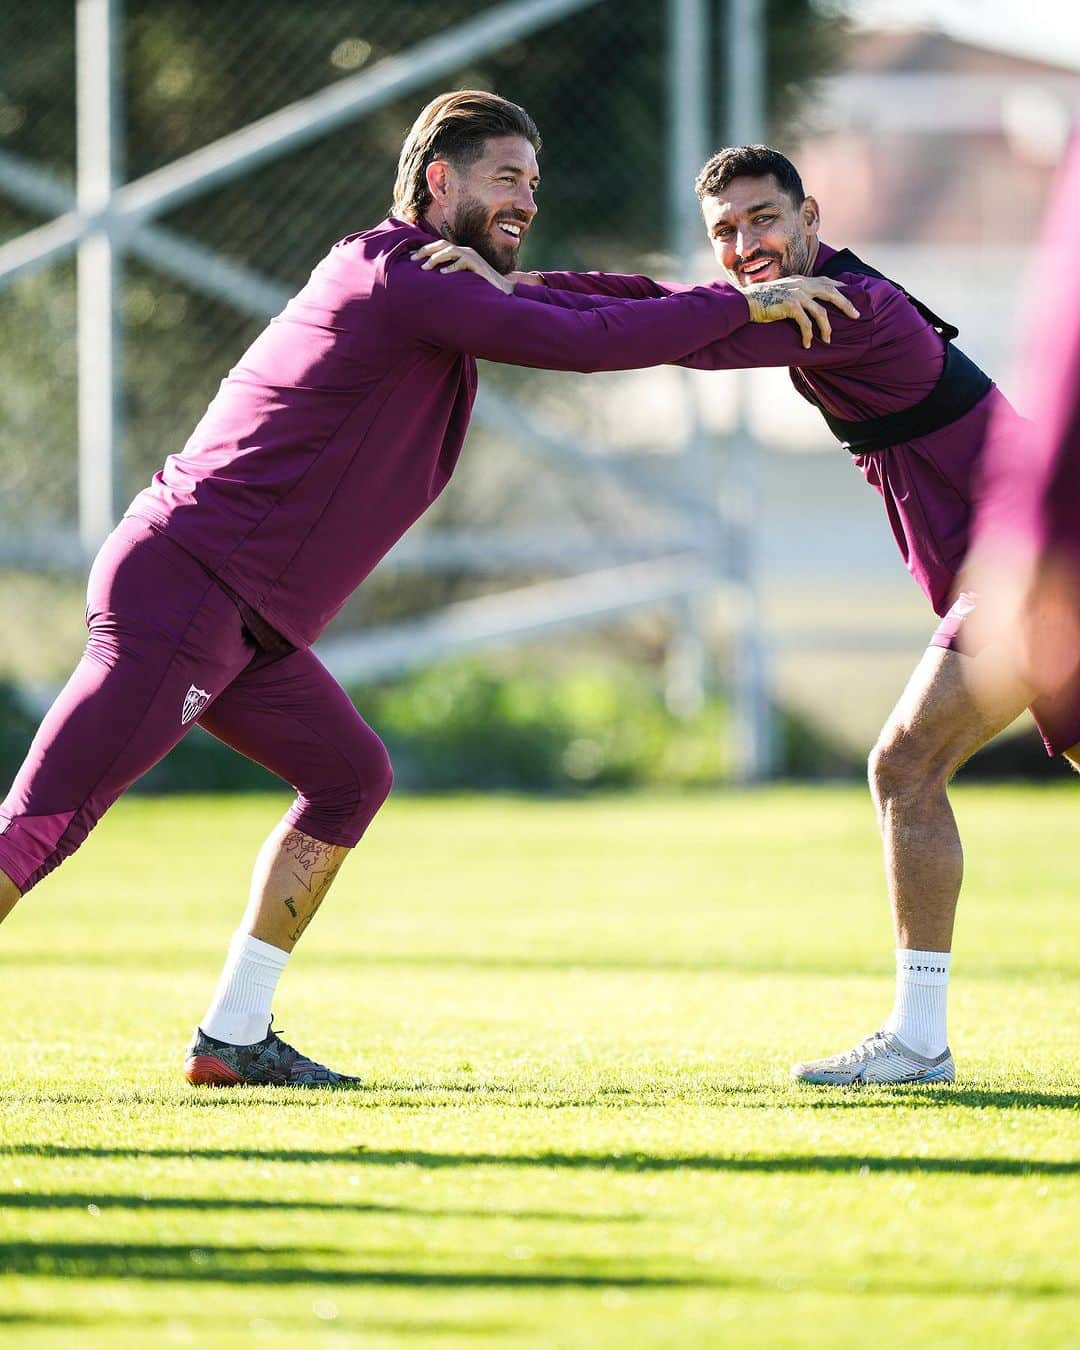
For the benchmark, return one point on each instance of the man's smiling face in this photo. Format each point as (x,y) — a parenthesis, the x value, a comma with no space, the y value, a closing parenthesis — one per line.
(490,204)
(758,233)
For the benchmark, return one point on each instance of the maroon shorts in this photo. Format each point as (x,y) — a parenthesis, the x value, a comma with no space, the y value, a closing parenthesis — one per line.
(1058,718)
(167,648)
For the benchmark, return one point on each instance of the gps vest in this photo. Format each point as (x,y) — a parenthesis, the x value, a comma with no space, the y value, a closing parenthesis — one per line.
(960,386)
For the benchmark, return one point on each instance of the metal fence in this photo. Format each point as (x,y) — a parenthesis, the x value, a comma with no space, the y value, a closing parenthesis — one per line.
(169,174)
(188,163)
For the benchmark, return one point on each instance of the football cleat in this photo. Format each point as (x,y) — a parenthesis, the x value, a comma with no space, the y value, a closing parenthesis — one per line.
(880,1058)
(214,1063)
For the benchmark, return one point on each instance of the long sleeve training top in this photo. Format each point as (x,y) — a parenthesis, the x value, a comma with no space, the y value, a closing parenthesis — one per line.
(344,419)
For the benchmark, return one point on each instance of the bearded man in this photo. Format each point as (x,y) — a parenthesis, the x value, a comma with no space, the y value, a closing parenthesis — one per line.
(916,415)
(337,428)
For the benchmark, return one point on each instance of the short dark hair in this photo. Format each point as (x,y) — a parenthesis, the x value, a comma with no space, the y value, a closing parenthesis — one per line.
(453,127)
(748,161)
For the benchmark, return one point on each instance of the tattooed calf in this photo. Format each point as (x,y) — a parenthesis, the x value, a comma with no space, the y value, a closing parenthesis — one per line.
(315,865)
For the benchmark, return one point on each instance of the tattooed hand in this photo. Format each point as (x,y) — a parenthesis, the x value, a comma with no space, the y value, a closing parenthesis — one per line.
(800,299)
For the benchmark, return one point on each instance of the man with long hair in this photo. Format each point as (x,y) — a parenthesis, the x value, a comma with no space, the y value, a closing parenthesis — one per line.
(336,429)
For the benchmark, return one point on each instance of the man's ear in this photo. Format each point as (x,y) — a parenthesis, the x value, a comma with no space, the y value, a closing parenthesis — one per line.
(437,177)
(810,215)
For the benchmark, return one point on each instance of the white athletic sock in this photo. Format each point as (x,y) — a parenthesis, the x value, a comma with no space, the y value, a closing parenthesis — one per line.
(918,1015)
(239,1012)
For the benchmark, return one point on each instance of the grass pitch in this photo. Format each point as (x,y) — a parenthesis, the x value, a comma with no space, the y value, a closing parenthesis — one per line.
(576,1020)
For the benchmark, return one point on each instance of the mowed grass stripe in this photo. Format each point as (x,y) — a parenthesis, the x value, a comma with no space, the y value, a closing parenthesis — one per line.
(575,1018)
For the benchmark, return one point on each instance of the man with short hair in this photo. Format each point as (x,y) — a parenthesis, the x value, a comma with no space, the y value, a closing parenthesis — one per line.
(338,427)
(915,414)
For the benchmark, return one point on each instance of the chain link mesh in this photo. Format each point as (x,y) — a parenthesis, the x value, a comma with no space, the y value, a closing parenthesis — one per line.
(596,82)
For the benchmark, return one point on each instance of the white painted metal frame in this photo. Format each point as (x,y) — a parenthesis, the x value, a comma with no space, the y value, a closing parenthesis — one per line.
(753,723)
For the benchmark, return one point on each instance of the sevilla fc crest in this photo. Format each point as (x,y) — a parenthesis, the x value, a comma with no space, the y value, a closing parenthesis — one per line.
(195,700)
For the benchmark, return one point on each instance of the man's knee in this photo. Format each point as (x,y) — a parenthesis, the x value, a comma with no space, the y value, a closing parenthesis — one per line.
(339,810)
(935,728)
(378,778)
(905,760)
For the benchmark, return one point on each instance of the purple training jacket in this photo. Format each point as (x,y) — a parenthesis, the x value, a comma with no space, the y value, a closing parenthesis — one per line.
(343,421)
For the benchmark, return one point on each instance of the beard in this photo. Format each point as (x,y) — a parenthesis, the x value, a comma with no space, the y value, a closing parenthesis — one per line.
(792,262)
(796,256)
(471,227)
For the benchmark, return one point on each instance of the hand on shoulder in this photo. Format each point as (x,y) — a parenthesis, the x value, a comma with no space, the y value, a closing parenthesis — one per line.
(448,257)
(801,299)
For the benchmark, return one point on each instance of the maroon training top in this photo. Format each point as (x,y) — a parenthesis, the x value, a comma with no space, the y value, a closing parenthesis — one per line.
(343,420)
(888,359)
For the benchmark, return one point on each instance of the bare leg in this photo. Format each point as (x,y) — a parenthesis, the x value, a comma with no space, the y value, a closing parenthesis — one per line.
(10,895)
(934,728)
(292,874)
(235,1042)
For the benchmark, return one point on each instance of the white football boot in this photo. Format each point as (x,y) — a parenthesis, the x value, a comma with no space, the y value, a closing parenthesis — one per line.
(880,1058)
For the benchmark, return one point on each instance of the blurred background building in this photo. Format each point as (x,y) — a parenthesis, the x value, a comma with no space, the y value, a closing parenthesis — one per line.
(699,535)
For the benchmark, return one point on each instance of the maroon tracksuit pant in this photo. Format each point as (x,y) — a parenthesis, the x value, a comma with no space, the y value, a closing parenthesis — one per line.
(168,647)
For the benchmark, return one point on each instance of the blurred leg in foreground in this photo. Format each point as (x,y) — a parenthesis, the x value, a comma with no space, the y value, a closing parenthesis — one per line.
(1025,562)
(9,895)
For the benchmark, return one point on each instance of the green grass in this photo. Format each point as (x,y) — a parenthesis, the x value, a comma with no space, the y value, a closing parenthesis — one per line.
(576,1019)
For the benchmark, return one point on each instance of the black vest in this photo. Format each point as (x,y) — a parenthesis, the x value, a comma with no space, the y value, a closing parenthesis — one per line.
(960,386)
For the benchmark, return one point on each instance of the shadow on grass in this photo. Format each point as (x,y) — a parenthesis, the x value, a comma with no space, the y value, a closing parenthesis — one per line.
(247,1266)
(117,1319)
(107,1202)
(259,1265)
(18,1319)
(617,1162)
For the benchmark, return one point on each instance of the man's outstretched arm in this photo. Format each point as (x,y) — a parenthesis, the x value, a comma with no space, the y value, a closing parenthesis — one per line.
(462,313)
(800,299)
(768,301)
(624,285)
(812,304)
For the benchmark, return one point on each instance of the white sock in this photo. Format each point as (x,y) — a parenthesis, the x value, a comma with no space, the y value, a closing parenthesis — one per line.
(239,1012)
(918,1015)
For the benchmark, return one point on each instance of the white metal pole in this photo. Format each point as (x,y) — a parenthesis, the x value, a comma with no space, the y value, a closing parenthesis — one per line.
(752,720)
(687,81)
(100,370)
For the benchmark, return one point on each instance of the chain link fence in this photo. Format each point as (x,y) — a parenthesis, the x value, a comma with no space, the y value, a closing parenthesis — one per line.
(597,84)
